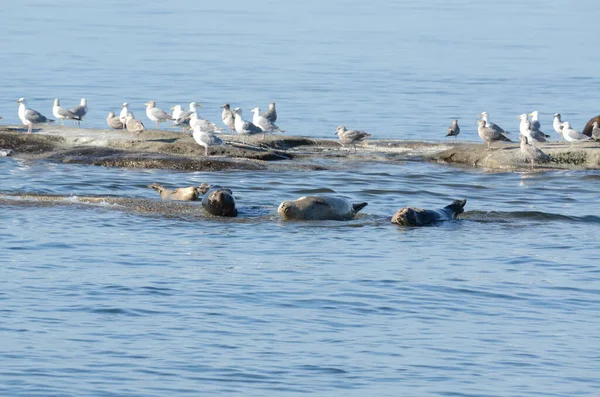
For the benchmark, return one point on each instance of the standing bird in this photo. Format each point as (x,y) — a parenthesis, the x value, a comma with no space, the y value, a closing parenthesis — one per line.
(263,123)
(183,119)
(350,137)
(136,127)
(29,117)
(271,114)
(572,135)
(124,112)
(228,117)
(454,129)
(155,114)
(535,122)
(205,138)
(526,128)
(244,127)
(531,153)
(80,110)
(488,124)
(489,135)
(61,113)
(177,110)
(204,125)
(557,124)
(595,131)
(114,122)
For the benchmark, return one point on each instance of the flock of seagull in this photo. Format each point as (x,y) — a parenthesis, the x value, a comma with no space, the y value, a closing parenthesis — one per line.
(204,131)
(530,133)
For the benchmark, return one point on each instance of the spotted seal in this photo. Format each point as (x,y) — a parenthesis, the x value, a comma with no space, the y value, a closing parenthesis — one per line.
(218,201)
(319,208)
(190,193)
(409,216)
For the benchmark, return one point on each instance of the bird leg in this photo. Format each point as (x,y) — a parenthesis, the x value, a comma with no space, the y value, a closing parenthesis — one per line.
(30,128)
(206,151)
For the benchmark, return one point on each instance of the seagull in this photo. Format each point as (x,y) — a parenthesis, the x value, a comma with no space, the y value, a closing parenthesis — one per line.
(177,110)
(29,117)
(242,126)
(263,123)
(228,117)
(454,129)
(571,135)
(205,138)
(350,137)
(62,113)
(183,118)
(526,128)
(488,124)
(595,131)
(531,153)
(80,110)
(535,123)
(134,126)
(196,121)
(123,114)
(489,135)
(114,122)
(557,124)
(155,114)
(271,114)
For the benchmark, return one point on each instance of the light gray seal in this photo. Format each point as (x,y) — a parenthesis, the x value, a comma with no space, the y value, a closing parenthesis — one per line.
(410,216)
(218,201)
(319,208)
(190,193)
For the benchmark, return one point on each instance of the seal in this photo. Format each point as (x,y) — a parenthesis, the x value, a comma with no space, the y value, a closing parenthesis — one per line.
(589,126)
(409,216)
(218,201)
(319,208)
(190,193)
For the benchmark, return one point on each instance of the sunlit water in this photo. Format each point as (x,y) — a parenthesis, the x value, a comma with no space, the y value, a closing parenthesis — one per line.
(98,301)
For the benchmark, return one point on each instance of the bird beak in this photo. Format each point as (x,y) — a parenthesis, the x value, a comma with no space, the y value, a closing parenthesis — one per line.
(200,106)
(530,114)
(173,108)
(520,117)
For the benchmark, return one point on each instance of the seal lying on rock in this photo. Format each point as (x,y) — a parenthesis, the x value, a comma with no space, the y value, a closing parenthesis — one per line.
(218,200)
(409,216)
(181,194)
(319,208)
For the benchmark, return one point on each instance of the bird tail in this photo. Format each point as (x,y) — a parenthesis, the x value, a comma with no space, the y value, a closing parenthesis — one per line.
(505,138)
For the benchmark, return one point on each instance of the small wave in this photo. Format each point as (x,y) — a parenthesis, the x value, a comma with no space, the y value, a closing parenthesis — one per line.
(503,217)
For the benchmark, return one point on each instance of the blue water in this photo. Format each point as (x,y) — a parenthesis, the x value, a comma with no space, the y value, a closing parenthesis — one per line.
(100,300)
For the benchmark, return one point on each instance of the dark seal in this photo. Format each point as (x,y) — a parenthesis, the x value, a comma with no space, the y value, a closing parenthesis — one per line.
(218,201)
(409,216)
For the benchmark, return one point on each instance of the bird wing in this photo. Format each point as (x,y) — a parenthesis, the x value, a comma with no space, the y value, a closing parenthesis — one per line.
(67,114)
(160,114)
(270,115)
(79,110)
(34,116)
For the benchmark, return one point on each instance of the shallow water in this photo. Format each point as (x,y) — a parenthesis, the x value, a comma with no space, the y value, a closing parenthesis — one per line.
(101,301)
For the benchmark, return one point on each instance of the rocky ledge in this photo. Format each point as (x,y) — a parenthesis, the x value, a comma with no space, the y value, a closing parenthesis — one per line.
(176,150)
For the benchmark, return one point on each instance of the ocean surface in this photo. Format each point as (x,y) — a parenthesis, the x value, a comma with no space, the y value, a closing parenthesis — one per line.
(98,300)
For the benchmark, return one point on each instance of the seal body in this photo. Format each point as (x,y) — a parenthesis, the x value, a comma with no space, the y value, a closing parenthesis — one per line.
(190,193)
(589,126)
(319,208)
(409,216)
(219,201)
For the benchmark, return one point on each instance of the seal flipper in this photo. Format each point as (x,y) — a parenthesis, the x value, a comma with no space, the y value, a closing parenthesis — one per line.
(457,206)
(358,206)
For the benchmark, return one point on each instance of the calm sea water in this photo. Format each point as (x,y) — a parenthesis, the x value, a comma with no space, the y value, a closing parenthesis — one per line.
(97,301)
